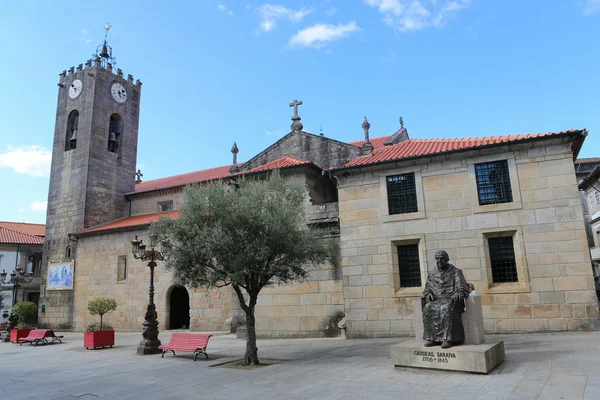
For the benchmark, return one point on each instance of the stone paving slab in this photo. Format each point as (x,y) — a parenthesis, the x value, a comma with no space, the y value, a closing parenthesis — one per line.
(537,366)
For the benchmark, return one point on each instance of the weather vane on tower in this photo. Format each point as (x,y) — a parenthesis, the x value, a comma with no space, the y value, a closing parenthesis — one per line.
(104,51)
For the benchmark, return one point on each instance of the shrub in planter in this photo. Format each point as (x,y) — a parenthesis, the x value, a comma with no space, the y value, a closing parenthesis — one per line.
(101,335)
(22,310)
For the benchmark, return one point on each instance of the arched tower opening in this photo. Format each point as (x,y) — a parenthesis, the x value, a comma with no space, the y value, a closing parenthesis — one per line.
(178,305)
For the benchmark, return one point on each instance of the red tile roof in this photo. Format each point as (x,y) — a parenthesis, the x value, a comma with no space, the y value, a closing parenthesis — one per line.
(284,162)
(24,227)
(592,160)
(183,179)
(9,236)
(422,147)
(376,142)
(130,222)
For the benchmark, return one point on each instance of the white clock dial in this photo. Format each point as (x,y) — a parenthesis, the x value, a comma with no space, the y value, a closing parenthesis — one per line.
(75,88)
(118,92)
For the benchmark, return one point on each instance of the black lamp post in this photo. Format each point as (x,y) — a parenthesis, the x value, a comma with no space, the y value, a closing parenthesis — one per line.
(17,277)
(150,341)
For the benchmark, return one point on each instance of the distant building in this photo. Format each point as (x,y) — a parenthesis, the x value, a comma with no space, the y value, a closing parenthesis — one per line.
(21,246)
(590,188)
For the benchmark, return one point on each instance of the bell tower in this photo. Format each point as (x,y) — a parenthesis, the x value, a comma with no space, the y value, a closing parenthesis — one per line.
(93,164)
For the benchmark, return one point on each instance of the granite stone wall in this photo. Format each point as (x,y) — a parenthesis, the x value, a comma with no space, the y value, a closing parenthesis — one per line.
(555,289)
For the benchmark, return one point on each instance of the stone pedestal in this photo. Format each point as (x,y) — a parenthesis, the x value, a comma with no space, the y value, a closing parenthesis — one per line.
(472,320)
(480,358)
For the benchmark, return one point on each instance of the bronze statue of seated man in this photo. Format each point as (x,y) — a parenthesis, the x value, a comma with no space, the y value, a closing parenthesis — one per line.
(445,292)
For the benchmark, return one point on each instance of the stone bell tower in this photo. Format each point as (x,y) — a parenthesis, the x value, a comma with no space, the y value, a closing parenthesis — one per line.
(93,165)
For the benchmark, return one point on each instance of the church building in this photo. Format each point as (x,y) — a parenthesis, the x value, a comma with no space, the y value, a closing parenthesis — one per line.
(505,208)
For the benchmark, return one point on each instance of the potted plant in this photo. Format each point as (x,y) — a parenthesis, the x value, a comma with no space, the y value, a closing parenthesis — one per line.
(22,310)
(97,336)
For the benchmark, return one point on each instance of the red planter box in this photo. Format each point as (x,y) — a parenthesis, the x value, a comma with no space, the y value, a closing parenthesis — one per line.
(16,334)
(99,339)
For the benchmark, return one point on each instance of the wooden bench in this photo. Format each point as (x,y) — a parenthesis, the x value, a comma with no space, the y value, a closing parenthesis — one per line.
(37,336)
(187,342)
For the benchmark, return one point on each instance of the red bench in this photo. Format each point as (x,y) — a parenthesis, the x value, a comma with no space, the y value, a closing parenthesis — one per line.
(37,336)
(187,342)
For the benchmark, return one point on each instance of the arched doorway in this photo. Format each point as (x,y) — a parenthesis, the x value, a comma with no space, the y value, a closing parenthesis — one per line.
(179,310)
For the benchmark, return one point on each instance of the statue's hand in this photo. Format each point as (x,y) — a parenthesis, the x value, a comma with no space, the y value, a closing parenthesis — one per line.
(430,297)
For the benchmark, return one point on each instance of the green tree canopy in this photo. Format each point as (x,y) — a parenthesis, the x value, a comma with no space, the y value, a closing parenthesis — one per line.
(249,234)
(24,309)
(101,306)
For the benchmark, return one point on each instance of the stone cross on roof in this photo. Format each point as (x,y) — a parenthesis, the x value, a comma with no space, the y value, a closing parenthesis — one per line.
(138,176)
(296,125)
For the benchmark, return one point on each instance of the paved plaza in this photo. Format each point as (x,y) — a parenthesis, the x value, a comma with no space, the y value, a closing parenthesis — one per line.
(537,366)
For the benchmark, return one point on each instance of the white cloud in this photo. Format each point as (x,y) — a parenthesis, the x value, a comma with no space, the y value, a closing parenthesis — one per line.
(224,9)
(318,35)
(412,15)
(36,206)
(271,13)
(29,160)
(590,7)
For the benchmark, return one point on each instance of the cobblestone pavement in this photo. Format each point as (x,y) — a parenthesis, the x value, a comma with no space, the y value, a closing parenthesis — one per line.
(537,366)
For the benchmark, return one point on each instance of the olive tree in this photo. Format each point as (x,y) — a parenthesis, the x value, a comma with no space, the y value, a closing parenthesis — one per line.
(250,235)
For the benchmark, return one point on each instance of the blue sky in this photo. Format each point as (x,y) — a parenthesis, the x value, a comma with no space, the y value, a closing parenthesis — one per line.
(215,72)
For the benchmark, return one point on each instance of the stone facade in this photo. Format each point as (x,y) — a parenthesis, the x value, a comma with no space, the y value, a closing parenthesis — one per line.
(88,183)
(590,195)
(554,291)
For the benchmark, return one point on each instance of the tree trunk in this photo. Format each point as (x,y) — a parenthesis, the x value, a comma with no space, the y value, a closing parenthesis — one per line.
(101,321)
(251,357)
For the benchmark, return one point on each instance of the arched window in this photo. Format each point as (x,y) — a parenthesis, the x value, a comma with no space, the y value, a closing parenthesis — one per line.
(72,126)
(115,128)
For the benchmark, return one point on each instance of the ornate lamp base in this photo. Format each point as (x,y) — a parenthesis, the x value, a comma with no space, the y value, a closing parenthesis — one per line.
(150,341)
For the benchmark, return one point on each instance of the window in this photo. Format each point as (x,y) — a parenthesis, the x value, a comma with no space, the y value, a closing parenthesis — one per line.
(402,194)
(591,201)
(72,127)
(122,269)
(502,257)
(493,183)
(597,196)
(166,206)
(115,128)
(409,266)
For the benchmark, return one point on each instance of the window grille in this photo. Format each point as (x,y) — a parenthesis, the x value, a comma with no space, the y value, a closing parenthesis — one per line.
(493,183)
(402,194)
(409,266)
(166,206)
(502,255)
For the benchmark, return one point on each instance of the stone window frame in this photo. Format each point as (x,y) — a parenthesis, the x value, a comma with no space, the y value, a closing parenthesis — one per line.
(122,272)
(513,174)
(163,203)
(397,290)
(384,211)
(488,286)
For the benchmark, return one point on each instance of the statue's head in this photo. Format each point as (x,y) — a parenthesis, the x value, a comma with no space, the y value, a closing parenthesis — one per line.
(441,259)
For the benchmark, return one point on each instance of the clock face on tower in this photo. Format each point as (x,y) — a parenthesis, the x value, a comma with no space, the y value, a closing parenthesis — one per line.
(118,92)
(75,88)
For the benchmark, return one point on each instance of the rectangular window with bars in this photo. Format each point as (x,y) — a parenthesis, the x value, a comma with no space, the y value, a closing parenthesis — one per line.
(402,194)
(409,265)
(502,256)
(493,182)
(122,269)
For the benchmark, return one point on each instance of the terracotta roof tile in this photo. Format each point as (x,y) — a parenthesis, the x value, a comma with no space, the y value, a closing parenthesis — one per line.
(10,236)
(592,160)
(376,142)
(130,222)
(24,227)
(183,179)
(283,162)
(422,147)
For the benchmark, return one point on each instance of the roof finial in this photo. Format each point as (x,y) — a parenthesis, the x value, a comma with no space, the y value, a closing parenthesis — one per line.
(367,147)
(138,176)
(401,123)
(234,151)
(296,125)
(104,51)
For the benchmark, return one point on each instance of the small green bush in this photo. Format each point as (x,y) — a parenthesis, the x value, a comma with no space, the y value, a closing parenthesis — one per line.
(96,327)
(22,325)
(24,309)
(101,306)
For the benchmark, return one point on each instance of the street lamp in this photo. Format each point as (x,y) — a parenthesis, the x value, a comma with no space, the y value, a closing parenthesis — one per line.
(17,277)
(150,341)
